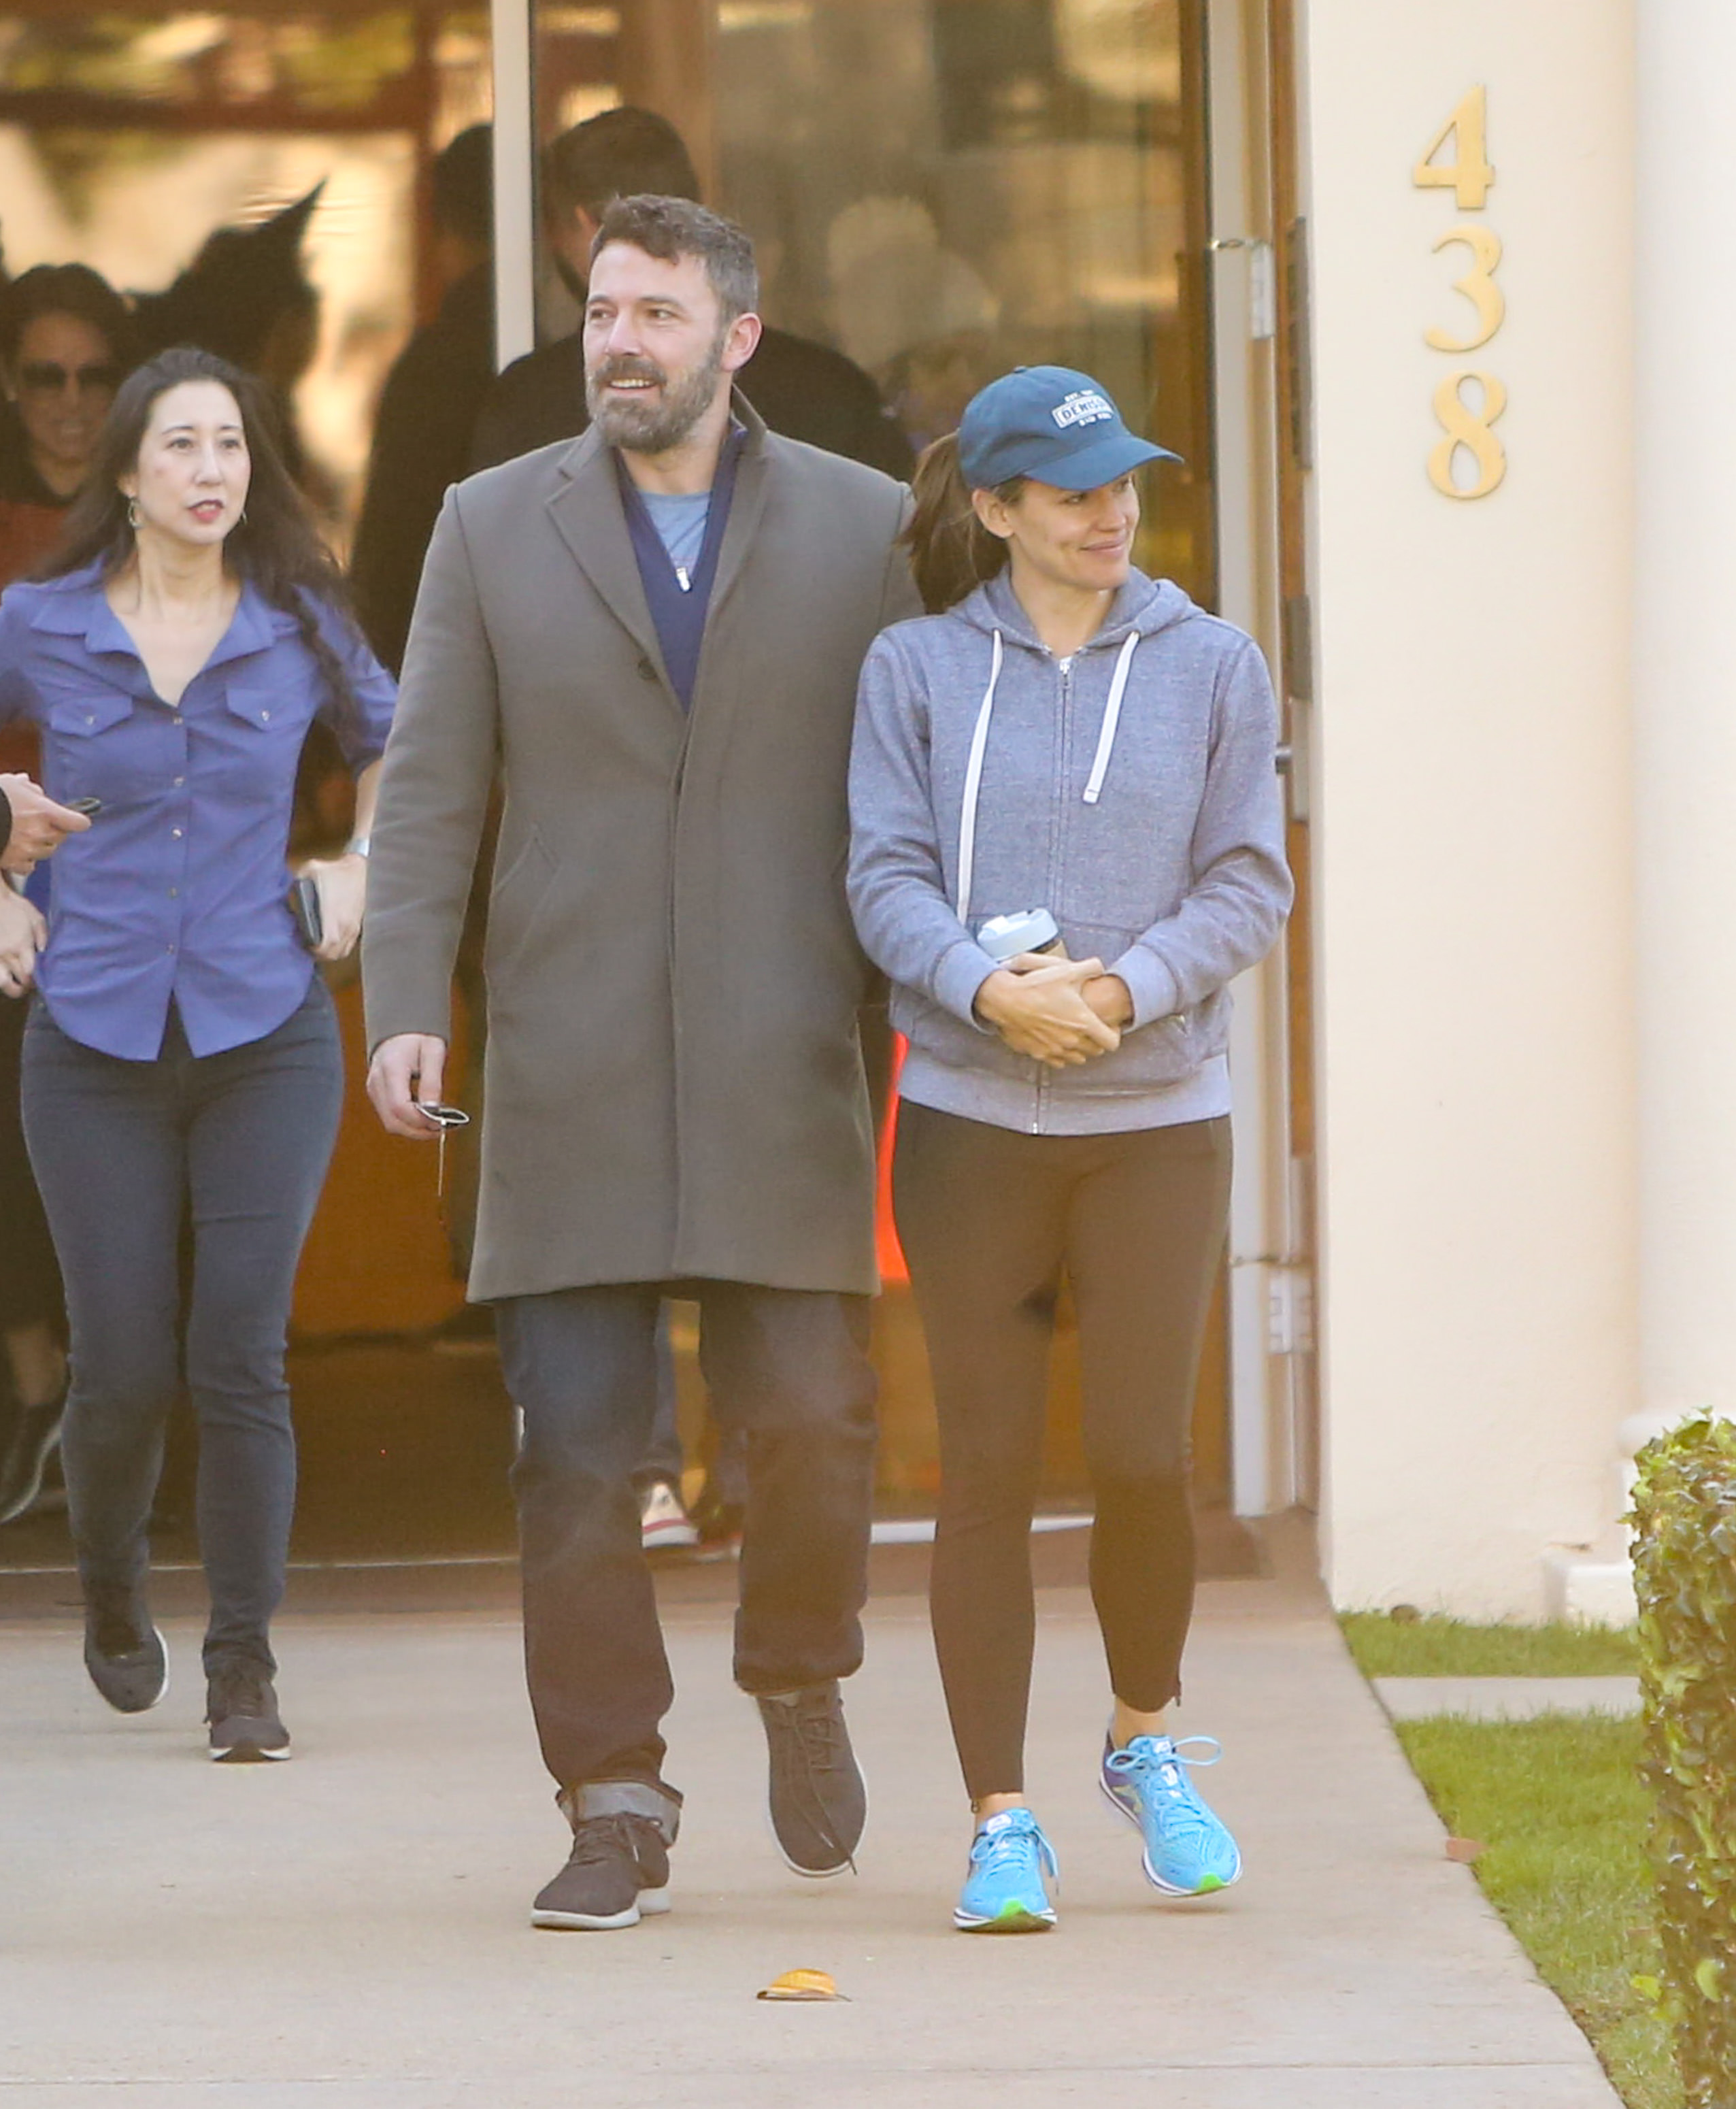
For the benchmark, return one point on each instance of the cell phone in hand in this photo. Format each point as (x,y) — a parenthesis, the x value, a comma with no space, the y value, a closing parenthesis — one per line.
(304,900)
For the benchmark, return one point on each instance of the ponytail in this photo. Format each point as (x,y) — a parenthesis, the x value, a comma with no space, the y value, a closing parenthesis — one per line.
(951,551)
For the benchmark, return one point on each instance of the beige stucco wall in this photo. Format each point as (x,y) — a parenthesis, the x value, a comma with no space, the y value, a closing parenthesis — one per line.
(1472,812)
(1684,685)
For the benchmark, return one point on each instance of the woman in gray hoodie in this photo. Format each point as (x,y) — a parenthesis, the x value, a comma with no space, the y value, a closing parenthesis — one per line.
(1066,740)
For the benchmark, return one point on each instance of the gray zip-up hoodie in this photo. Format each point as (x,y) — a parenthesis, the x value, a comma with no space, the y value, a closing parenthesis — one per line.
(1130,789)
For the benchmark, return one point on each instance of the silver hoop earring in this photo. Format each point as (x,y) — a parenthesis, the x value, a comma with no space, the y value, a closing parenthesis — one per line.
(242,521)
(132,512)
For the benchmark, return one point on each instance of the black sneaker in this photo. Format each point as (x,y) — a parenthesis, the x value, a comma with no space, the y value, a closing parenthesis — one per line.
(818,1802)
(617,1873)
(35,1436)
(124,1652)
(242,1707)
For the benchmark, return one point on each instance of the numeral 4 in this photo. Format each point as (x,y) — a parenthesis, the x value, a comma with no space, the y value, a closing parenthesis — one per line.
(1468,175)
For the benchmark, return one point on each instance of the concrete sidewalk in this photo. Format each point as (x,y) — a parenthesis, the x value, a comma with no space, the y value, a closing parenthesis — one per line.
(1506,1698)
(350,1931)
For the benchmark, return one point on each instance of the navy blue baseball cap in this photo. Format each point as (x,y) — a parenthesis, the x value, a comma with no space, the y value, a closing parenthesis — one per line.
(1051,424)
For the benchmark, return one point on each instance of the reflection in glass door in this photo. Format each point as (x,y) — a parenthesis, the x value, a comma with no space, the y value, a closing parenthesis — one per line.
(943,189)
(263,162)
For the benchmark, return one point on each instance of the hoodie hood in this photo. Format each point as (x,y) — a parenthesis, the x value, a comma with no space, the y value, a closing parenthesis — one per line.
(1143,606)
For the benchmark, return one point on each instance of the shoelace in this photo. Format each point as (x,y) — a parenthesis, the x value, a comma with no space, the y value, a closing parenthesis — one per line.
(241,1696)
(997,1851)
(819,1738)
(601,1837)
(1161,1779)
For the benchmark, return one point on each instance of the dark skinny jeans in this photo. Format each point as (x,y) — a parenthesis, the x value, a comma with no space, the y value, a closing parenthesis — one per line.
(30,1278)
(240,1142)
(990,1219)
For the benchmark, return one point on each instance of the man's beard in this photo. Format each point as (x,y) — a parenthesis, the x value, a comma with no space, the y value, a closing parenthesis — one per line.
(648,427)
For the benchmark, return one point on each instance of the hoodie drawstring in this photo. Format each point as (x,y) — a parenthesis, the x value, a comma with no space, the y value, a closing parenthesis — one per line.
(1112,719)
(973,786)
(979,745)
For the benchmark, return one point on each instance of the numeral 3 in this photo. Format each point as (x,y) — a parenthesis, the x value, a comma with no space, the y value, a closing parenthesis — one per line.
(1478,286)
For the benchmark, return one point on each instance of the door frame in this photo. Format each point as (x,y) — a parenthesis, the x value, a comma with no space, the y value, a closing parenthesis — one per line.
(512,53)
(1271,1274)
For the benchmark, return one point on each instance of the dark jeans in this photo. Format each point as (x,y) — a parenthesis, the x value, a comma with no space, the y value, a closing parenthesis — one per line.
(665,1458)
(30,1277)
(726,1470)
(790,1367)
(240,1141)
(989,1219)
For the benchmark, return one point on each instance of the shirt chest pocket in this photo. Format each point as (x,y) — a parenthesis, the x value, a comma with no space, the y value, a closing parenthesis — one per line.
(252,741)
(99,746)
(256,704)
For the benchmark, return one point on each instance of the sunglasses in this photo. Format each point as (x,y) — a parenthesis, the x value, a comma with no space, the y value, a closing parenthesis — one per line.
(47,377)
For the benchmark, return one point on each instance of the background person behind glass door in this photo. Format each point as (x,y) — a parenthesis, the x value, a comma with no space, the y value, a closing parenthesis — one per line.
(182,1055)
(65,342)
(805,390)
(1074,738)
(428,406)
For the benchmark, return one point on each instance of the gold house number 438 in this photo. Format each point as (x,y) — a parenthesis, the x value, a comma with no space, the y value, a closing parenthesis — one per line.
(1469,461)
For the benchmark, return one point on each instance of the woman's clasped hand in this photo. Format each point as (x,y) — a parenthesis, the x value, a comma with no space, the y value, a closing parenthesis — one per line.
(1041,1008)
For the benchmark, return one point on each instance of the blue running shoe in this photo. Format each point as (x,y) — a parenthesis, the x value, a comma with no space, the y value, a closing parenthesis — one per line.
(1187,1851)
(1004,1891)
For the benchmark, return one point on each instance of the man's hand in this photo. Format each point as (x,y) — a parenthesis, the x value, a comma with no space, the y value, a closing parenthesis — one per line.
(406,1068)
(22,934)
(1035,1004)
(38,825)
(343,895)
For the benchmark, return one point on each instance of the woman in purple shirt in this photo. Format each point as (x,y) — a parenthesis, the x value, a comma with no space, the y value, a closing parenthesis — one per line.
(181,1054)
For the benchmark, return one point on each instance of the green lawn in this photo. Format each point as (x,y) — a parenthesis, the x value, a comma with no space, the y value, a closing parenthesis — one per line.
(1385,1646)
(1558,1805)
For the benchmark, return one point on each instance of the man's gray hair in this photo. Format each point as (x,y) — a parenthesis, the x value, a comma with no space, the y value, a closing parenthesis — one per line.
(670,228)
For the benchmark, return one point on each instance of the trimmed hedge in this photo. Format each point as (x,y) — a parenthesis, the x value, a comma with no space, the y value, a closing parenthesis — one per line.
(1684,1575)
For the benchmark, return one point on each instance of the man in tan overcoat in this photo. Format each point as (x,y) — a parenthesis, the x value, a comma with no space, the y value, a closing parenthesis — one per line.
(655,632)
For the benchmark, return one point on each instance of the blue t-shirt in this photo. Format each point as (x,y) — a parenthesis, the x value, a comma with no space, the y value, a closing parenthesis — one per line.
(680,518)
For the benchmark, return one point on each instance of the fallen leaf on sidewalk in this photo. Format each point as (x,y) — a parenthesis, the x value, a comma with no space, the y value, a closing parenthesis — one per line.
(801,1984)
(1464,1849)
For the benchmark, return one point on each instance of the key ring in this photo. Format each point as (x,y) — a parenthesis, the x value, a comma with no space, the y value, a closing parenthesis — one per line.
(444,1118)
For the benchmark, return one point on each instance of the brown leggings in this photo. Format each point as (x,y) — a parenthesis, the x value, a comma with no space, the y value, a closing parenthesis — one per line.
(989,1219)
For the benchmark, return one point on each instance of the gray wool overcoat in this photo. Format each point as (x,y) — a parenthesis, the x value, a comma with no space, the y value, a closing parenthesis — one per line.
(673,1086)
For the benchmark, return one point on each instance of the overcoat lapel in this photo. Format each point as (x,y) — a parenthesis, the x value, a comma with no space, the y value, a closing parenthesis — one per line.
(746,511)
(587,514)
(746,506)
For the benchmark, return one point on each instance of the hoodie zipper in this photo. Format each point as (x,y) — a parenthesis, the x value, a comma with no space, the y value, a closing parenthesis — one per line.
(1104,748)
(1057,828)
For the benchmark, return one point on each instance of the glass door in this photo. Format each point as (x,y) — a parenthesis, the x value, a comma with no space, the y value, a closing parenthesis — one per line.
(940,190)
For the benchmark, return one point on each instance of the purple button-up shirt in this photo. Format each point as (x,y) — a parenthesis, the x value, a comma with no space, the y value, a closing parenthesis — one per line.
(177,892)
